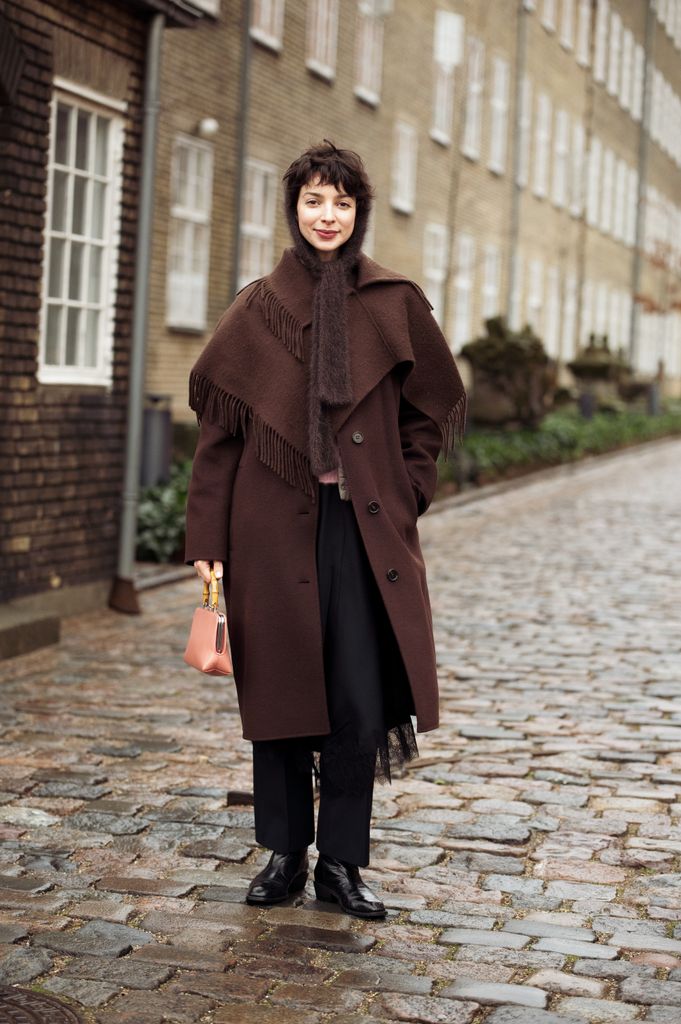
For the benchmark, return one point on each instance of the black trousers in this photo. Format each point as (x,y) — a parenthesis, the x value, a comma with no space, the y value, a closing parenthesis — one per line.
(356,637)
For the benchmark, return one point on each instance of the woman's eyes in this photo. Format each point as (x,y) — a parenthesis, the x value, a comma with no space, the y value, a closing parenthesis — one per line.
(342,203)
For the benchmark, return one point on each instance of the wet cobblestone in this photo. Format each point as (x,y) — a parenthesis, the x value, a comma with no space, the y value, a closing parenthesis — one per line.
(530,859)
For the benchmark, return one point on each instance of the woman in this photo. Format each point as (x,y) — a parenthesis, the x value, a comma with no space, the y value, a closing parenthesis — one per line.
(324,397)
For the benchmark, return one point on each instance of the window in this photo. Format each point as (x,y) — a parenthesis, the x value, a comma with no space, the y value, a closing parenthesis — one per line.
(369,51)
(620,201)
(593,183)
(209,6)
(191,188)
(491,274)
(552,322)
(447,51)
(267,22)
(567,18)
(548,15)
(601,40)
(586,322)
(560,158)
(525,127)
(499,113)
(577,169)
(607,189)
(627,61)
(435,266)
(404,167)
(601,308)
(257,221)
(529,5)
(542,141)
(463,288)
(637,89)
(569,318)
(583,27)
(322,35)
(473,118)
(515,312)
(614,49)
(632,207)
(535,296)
(81,238)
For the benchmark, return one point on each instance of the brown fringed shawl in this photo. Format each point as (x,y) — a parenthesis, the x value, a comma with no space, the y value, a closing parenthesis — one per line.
(255,368)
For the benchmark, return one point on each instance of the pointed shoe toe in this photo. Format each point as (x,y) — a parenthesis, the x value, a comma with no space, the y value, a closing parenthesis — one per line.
(283,875)
(338,882)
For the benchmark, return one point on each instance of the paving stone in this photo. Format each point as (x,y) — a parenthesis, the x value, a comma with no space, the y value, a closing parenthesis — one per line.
(490,994)
(663,1015)
(616,970)
(601,1010)
(567,984)
(217,849)
(512,884)
(19,966)
(543,929)
(97,938)
(649,992)
(481,937)
(155,1008)
(103,910)
(443,918)
(655,943)
(248,1014)
(383,981)
(144,886)
(229,987)
(580,891)
(10,933)
(573,948)
(428,1009)
(187,959)
(527,1015)
(324,938)
(93,821)
(87,993)
(124,972)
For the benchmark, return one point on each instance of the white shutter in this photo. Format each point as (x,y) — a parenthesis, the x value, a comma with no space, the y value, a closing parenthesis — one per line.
(601,309)
(463,288)
(404,167)
(601,39)
(586,319)
(632,206)
(448,39)
(548,17)
(577,169)
(515,312)
(593,183)
(614,50)
(567,18)
(620,200)
(560,158)
(499,112)
(435,266)
(473,117)
(525,131)
(542,141)
(535,295)
(552,323)
(625,78)
(583,33)
(607,191)
(569,318)
(637,91)
(490,281)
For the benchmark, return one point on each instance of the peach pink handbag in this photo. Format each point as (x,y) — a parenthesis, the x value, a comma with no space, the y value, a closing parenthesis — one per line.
(208,644)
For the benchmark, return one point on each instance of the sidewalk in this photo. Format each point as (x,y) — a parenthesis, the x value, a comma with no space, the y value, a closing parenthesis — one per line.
(531,859)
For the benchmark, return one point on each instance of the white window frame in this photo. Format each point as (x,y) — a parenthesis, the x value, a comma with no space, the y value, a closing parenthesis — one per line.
(637,83)
(95,103)
(322,38)
(567,24)
(561,144)
(631,207)
(187,291)
(614,54)
(463,289)
(525,131)
(535,296)
(448,31)
(369,52)
(267,23)
(498,129)
(568,317)
(516,306)
(211,7)
(548,15)
(475,84)
(551,337)
(625,76)
(262,230)
(593,190)
(583,33)
(586,320)
(404,165)
(601,40)
(577,169)
(607,191)
(435,266)
(619,206)
(542,145)
(491,280)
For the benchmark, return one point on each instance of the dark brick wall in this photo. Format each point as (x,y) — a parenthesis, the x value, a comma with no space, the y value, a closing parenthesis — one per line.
(61,447)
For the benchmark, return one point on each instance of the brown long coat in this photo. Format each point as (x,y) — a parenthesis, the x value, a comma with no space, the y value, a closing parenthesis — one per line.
(264,529)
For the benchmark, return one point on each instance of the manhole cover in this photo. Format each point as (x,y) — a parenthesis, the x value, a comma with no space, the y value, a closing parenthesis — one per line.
(17,1006)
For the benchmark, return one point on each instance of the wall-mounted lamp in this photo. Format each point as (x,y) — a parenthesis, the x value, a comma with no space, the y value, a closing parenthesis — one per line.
(208,128)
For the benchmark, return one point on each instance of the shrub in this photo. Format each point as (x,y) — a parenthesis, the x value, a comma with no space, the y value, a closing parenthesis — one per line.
(161,516)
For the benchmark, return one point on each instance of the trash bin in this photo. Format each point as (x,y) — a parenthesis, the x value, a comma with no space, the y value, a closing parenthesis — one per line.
(156,441)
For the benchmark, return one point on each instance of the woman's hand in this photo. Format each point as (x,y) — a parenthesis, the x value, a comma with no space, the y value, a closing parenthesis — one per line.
(203,569)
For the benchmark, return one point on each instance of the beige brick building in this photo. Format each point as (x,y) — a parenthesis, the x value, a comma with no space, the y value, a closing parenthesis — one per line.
(525,155)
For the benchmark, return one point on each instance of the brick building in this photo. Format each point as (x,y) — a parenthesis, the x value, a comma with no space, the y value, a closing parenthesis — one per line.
(71,80)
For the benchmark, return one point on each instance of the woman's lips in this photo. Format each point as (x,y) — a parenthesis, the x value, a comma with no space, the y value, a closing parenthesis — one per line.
(326,234)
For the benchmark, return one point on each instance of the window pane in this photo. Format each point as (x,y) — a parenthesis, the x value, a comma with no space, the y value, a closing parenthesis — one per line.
(76,270)
(98,209)
(91,337)
(61,142)
(59,200)
(94,280)
(82,139)
(79,201)
(56,282)
(72,325)
(52,332)
(102,146)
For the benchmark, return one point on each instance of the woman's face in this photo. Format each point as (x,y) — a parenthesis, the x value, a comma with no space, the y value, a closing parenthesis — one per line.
(326,217)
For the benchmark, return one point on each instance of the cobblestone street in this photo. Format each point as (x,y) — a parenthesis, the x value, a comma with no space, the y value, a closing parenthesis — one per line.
(530,860)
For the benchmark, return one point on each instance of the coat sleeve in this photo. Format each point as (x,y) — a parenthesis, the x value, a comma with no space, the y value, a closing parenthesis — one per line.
(421,442)
(210,493)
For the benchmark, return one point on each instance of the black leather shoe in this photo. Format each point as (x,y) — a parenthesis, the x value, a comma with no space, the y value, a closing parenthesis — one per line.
(336,881)
(284,873)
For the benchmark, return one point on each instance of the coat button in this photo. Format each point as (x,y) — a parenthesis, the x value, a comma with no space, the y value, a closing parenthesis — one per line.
(392,575)
(358,437)
(373,506)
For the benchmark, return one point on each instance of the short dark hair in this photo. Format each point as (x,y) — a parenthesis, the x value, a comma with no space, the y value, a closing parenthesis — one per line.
(342,168)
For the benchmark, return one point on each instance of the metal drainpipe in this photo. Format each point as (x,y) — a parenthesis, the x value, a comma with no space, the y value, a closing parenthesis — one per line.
(516,194)
(242,139)
(637,262)
(123,596)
